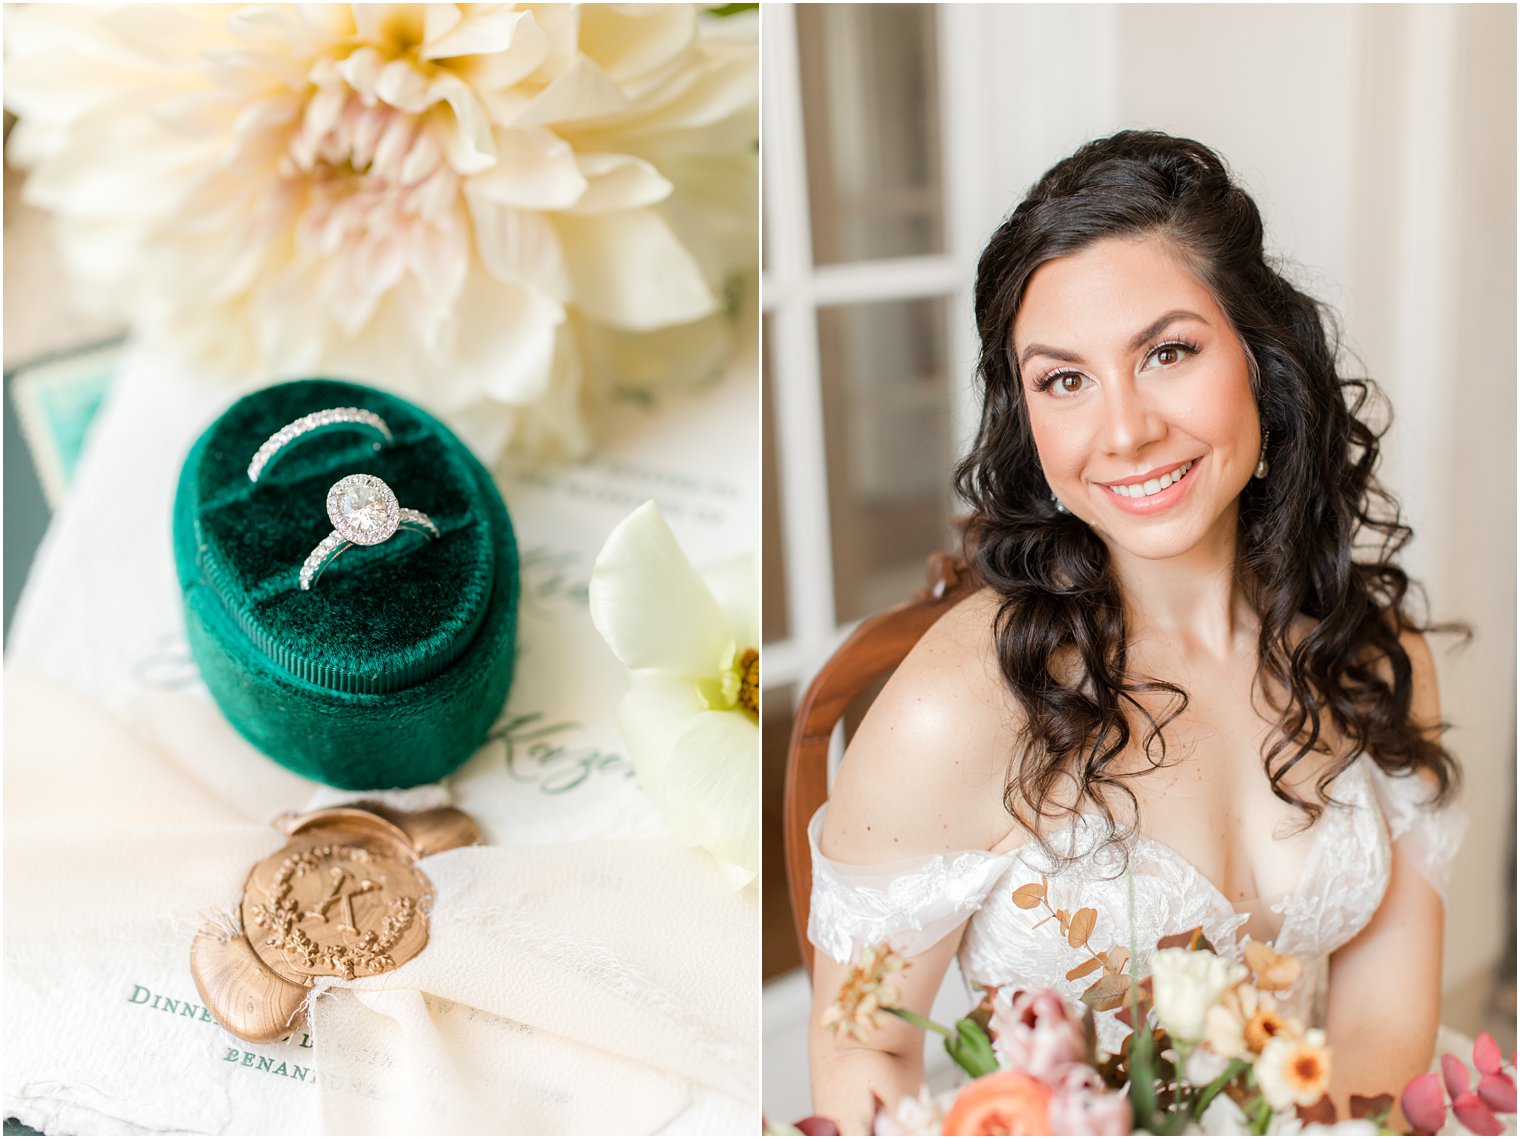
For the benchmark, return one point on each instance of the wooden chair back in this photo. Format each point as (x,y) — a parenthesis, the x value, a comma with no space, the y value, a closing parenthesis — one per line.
(876,647)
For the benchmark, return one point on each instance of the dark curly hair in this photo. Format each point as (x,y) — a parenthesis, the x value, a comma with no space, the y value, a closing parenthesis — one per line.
(1060,630)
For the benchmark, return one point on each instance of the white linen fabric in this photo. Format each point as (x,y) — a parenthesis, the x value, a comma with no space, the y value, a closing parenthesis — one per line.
(913,903)
(586,987)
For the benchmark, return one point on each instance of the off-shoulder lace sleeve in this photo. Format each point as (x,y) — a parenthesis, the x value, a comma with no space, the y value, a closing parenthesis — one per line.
(909,903)
(1425,836)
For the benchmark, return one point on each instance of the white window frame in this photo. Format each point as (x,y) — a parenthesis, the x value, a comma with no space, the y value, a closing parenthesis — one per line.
(793,290)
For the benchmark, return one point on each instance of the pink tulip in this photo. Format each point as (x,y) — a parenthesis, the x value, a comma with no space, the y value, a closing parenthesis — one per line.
(1082,1105)
(1035,1034)
(1424,1104)
(1475,1115)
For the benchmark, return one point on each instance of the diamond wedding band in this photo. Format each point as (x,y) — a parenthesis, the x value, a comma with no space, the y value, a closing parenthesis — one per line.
(364,512)
(352,417)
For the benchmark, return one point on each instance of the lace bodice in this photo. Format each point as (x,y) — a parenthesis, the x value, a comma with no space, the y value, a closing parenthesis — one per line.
(913,903)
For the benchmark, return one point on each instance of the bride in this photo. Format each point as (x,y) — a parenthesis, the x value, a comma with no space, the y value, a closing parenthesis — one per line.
(1190,657)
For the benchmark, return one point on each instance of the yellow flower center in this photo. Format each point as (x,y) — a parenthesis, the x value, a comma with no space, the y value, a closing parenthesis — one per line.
(737,684)
(749,681)
(1261,1028)
(1307,1069)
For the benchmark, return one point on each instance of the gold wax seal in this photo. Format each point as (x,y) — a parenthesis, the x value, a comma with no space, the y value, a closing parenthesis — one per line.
(343,898)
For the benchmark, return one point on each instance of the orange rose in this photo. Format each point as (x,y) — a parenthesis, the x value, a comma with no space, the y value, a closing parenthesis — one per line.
(1003,1103)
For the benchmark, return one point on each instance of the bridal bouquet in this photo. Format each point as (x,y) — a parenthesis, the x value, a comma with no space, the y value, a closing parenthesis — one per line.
(1209,1052)
(510,214)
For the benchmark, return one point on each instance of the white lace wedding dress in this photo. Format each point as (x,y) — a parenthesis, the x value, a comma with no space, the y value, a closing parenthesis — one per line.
(913,903)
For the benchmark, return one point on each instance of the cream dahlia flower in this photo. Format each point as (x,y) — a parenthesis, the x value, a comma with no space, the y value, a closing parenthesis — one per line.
(505,212)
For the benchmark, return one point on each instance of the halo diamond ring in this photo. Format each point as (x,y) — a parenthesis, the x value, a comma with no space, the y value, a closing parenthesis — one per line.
(363,512)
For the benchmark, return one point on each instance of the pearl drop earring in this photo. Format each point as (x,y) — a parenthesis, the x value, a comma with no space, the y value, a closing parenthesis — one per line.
(1262,466)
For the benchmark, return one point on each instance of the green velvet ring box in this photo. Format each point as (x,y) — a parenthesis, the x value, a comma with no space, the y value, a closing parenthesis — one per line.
(392,668)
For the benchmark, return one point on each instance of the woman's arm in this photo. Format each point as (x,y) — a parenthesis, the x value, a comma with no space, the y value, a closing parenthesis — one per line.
(1384,999)
(890,1065)
(924,775)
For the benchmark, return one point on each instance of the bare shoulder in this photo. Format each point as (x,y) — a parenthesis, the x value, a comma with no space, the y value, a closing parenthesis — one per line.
(925,772)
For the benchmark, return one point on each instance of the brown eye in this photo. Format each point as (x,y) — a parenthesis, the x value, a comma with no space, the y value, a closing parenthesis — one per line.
(1165,355)
(1070,384)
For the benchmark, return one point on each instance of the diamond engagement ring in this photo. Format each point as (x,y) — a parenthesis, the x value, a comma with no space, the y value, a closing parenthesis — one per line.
(364,512)
(350,417)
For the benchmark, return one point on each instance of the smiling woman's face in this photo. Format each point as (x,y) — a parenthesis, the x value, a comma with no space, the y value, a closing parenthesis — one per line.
(1139,396)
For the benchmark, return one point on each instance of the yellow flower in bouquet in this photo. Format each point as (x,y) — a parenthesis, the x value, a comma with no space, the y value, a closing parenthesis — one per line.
(501,211)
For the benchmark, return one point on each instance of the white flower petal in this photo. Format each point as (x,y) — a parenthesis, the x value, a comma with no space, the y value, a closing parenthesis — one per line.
(651,280)
(439,257)
(471,148)
(582,91)
(404,87)
(535,170)
(629,44)
(361,69)
(437,22)
(618,182)
(652,715)
(514,333)
(503,69)
(727,86)
(735,586)
(477,33)
(378,22)
(518,247)
(169,34)
(680,356)
(649,604)
(712,788)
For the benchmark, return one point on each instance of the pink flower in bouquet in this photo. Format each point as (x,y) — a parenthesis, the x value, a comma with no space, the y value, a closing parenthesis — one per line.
(1003,1103)
(1081,1104)
(1034,1033)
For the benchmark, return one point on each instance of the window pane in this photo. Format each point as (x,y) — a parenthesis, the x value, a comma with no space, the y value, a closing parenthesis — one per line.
(779,949)
(886,406)
(775,619)
(870,100)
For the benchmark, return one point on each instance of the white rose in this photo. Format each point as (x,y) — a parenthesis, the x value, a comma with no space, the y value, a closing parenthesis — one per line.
(1186,984)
